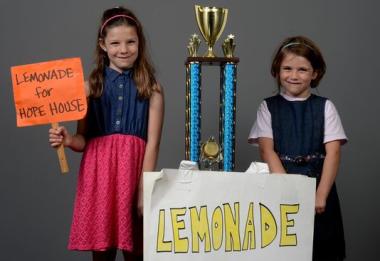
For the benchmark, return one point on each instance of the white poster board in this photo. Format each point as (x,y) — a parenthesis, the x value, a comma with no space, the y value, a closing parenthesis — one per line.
(202,215)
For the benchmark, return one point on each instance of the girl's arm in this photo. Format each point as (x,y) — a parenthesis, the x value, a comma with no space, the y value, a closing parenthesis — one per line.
(156,115)
(269,156)
(329,172)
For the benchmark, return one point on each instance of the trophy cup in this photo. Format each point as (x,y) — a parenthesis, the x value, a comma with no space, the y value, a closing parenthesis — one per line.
(211,22)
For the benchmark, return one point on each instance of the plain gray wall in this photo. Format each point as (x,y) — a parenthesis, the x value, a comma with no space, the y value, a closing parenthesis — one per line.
(36,200)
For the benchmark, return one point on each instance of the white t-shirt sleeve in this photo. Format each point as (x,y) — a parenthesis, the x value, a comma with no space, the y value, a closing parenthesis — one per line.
(333,125)
(262,126)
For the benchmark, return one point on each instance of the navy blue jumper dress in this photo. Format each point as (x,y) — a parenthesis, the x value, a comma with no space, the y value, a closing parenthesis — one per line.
(298,132)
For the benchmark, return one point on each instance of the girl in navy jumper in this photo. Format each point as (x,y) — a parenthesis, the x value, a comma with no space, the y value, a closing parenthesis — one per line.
(299,132)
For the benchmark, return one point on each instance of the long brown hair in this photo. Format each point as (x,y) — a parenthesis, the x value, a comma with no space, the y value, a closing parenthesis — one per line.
(143,71)
(301,46)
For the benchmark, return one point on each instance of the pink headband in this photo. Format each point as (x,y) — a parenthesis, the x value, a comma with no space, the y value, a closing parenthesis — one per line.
(113,17)
(296,43)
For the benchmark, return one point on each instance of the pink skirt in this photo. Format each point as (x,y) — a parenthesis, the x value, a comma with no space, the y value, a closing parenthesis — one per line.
(105,214)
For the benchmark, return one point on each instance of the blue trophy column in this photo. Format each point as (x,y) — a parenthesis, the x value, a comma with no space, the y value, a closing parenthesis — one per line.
(227,115)
(193,100)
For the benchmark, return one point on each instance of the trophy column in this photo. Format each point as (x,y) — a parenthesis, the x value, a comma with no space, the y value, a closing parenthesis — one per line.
(193,110)
(227,110)
(227,114)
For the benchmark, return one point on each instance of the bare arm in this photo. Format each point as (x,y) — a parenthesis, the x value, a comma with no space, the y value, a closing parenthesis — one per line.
(329,173)
(269,156)
(156,115)
(155,122)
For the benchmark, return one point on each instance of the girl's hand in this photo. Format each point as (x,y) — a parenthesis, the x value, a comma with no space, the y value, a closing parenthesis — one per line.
(59,136)
(320,203)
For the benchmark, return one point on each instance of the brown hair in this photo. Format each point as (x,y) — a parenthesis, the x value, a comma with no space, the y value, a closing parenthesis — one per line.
(143,71)
(301,46)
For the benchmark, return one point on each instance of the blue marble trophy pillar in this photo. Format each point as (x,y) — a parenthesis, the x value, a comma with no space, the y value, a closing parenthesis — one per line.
(227,109)
(193,111)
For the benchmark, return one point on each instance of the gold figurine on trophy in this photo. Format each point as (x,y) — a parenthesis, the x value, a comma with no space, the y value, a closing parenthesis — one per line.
(211,22)
(210,154)
(228,46)
(193,45)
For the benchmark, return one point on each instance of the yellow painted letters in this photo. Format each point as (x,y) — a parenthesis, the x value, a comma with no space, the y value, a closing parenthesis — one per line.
(249,231)
(200,228)
(232,225)
(181,245)
(288,239)
(268,226)
(162,246)
(217,228)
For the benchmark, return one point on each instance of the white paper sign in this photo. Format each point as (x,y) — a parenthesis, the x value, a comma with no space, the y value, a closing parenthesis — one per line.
(203,215)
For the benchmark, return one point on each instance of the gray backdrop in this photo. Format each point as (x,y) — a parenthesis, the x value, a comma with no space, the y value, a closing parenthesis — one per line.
(36,200)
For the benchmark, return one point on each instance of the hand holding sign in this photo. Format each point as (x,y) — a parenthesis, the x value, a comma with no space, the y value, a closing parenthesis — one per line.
(49,92)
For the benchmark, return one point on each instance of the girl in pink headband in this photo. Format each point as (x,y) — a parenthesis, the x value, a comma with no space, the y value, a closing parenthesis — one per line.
(119,138)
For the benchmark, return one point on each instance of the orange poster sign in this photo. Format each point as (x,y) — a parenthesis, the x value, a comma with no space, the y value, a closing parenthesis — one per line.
(49,92)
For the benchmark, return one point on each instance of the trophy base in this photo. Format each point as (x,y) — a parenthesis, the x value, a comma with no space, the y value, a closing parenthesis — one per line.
(212,60)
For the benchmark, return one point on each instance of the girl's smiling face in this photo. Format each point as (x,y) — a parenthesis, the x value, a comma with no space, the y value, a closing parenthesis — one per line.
(296,74)
(121,45)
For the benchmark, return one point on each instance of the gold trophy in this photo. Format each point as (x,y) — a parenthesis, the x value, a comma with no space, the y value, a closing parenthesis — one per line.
(211,22)
(211,155)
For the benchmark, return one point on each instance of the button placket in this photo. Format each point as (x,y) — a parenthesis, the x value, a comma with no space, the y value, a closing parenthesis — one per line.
(119,110)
